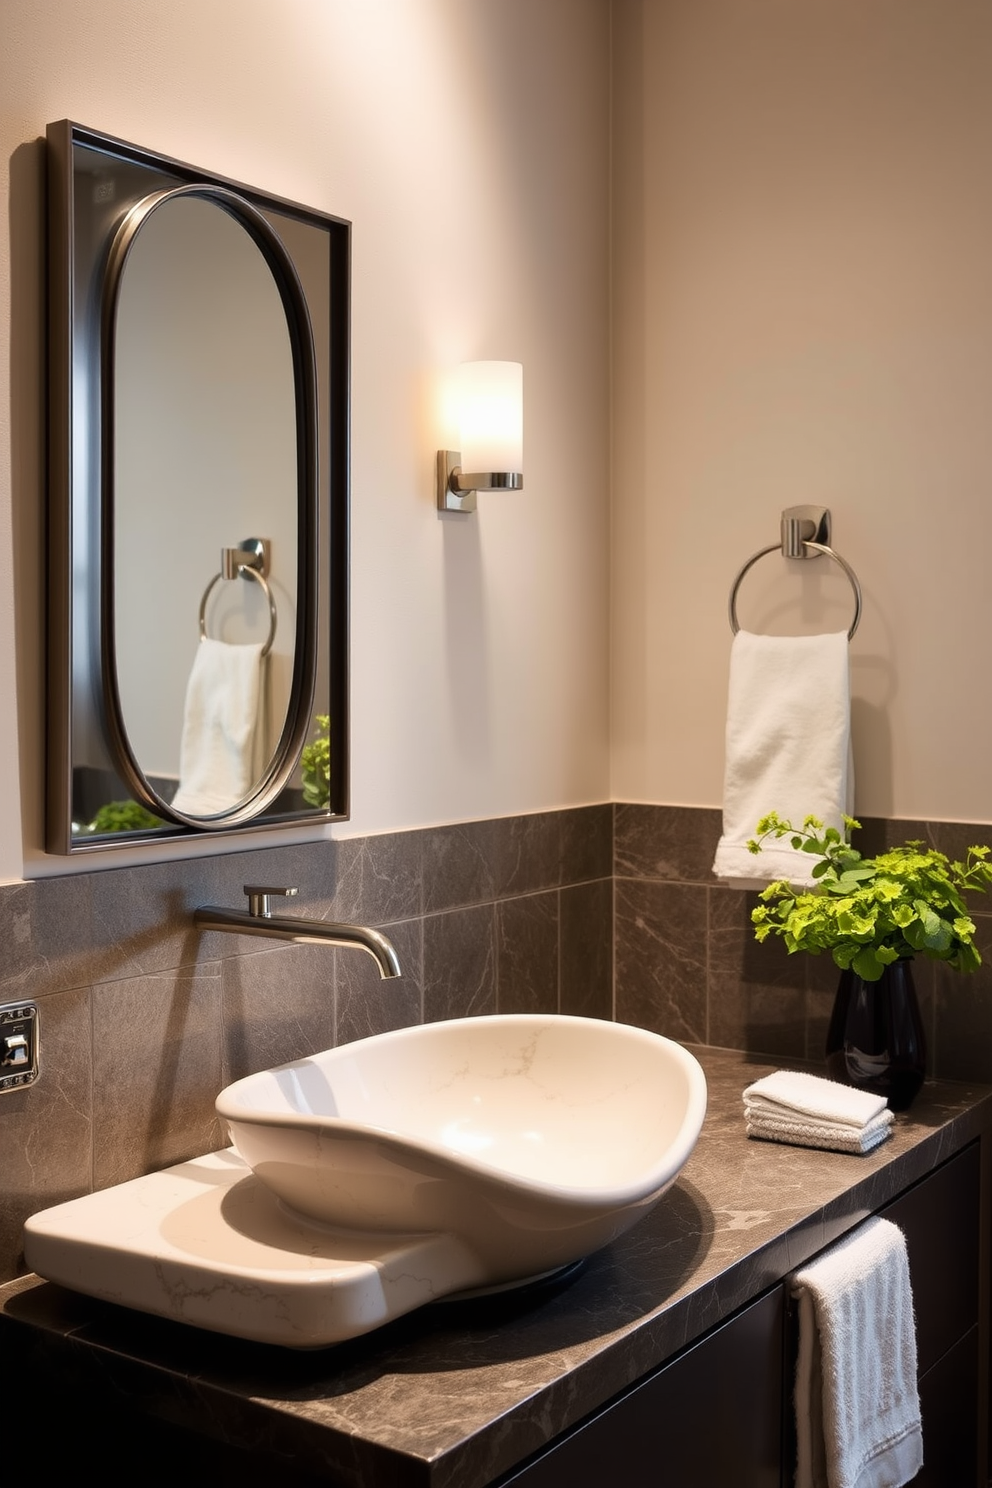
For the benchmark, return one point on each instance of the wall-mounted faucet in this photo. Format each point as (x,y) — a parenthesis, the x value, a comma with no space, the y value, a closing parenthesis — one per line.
(259,920)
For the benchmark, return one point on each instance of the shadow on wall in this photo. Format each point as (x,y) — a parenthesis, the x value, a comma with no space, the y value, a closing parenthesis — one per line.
(873,721)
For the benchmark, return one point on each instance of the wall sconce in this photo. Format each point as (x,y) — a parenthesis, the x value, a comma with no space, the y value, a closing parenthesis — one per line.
(490,398)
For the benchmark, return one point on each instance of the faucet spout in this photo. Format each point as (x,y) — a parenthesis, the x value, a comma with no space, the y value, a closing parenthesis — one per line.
(259,920)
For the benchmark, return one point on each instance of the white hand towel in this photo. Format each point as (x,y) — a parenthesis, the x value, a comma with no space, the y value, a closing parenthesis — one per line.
(788,749)
(857,1408)
(221,714)
(833,1135)
(795,1093)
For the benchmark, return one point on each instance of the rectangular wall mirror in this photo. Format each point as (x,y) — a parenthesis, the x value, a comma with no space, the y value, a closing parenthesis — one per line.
(198,521)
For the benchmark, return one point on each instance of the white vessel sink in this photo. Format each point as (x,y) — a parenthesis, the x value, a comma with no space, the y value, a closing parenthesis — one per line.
(390,1173)
(529,1140)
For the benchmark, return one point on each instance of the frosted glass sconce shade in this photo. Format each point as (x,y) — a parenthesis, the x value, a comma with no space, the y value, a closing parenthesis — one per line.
(490,398)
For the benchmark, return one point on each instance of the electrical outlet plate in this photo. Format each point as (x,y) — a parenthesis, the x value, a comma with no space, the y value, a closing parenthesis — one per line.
(18,1045)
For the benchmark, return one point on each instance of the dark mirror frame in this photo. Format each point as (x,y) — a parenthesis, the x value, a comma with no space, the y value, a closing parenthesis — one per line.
(83,268)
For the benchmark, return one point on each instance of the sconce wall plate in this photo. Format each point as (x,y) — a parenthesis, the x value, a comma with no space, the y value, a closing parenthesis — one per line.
(449,498)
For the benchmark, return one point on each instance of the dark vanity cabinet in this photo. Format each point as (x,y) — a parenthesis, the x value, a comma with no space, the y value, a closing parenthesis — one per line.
(721,1411)
(949,1262)
(712,1417)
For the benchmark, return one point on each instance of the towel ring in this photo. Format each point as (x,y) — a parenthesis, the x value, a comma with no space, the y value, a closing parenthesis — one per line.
(805,534)
(245,571)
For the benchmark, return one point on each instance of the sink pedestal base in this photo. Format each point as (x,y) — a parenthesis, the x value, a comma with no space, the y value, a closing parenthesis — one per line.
(205,1243)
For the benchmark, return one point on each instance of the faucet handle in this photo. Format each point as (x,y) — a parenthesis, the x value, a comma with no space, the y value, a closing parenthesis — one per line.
(258,898)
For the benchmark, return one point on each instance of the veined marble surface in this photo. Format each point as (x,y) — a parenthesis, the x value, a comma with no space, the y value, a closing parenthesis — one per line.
(531,1139)
(205,1243)
(453,1396)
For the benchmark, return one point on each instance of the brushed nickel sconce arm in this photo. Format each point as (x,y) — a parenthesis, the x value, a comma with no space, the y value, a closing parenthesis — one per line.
(456,489)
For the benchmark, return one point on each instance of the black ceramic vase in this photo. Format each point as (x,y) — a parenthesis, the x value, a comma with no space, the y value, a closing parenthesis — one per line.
(875,1040)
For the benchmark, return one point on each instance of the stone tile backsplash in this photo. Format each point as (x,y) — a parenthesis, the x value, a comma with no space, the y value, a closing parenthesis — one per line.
(600,911)
(143,1018)
(687,963)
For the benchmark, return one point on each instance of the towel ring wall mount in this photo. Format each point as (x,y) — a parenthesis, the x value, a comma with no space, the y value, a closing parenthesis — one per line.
(249,560)
(805,534)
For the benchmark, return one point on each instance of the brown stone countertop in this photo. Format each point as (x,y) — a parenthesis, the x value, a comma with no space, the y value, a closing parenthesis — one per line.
(456,1394)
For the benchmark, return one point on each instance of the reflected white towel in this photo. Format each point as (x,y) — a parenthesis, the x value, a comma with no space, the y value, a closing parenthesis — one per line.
(808,1111)
(857,1408)
(216,753)
(788,749)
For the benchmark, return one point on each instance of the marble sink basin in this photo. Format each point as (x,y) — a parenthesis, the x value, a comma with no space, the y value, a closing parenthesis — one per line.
(388,1174)
(526,1141)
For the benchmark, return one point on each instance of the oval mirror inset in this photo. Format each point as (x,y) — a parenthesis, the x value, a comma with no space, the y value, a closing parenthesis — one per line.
(212,437)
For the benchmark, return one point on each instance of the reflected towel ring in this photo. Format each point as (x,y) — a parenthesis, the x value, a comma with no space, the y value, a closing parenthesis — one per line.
(245,571)
(805,534)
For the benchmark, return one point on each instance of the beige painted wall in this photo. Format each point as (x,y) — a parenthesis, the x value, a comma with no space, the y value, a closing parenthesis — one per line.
(467,140)
(803,313)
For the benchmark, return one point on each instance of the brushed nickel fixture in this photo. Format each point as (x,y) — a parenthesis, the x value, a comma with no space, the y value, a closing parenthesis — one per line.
(490,405)
(249,560)
(805,533)
(259,920)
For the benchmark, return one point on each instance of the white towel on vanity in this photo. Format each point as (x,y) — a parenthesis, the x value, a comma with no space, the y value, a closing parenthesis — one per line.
(216,752)
(857,1408)
(808,1111)
(825,1134)
(788,749)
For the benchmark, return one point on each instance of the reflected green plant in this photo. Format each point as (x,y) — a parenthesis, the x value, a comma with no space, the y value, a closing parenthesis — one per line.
(123,816)
(315,764)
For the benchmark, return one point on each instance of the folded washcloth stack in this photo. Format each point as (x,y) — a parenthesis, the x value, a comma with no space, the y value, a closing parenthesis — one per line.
(809,1112)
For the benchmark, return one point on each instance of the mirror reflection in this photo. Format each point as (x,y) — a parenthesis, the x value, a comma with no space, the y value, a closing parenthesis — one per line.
(204,452)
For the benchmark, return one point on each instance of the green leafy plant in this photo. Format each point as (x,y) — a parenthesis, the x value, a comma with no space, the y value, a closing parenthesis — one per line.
(123,816)
(869,912)
(315,762)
